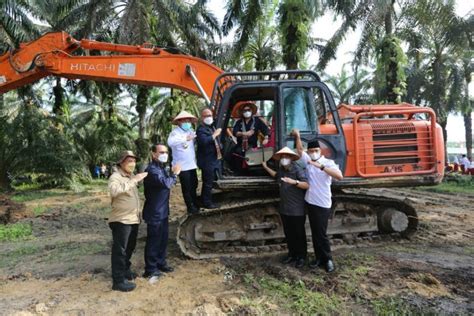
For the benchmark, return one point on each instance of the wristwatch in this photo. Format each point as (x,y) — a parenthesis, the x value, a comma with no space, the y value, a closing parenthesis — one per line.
(297,182)
(322,167)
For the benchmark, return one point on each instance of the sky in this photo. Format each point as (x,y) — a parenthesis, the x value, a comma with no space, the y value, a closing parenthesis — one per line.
(324,28)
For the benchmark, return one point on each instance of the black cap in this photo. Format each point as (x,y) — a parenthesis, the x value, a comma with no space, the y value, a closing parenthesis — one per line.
(313,144)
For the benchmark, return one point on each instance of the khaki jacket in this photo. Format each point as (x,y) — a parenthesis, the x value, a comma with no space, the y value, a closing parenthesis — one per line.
(125,200)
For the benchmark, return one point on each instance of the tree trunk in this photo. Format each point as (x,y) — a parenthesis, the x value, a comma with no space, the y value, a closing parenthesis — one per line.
(468,132)
(141,107)
(443,122)
(5,183)
(58,106)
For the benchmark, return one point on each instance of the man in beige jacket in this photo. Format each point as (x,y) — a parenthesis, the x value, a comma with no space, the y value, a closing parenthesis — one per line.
(124,219)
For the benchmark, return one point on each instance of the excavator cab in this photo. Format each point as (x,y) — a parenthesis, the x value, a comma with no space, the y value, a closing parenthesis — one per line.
(285,100)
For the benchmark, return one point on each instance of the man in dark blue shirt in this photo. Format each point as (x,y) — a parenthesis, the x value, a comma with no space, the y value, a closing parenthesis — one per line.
(156,210)
(208,155)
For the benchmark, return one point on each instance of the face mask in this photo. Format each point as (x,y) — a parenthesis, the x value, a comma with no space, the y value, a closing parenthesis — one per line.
(186,126)
(247,114)
(285,161)
(315,156)
(163,158)
(208,120)
(130,167)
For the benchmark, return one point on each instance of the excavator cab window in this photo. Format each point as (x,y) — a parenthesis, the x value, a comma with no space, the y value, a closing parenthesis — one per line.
(299,111)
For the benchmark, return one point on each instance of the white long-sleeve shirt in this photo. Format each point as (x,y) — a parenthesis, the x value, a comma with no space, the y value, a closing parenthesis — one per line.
(182,149)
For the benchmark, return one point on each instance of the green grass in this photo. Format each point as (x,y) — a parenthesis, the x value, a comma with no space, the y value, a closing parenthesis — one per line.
(293,296)
(39,210)
(12,232)
(68,251)
(453,184)
(34,195)
(391,306)
(13,257)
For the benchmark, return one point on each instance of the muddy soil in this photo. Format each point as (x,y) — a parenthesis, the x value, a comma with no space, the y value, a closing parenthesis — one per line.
(65,267)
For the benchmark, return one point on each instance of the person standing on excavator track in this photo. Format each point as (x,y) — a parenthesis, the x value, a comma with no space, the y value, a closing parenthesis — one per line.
(292,181)
(181,142)
(209,155)
(320,172)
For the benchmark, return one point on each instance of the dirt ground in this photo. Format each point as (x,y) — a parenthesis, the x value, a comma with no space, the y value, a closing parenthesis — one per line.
(64,268)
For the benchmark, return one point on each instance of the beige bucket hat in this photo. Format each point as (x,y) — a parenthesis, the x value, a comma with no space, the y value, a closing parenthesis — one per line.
(124,155)
(184,115)
(286,151)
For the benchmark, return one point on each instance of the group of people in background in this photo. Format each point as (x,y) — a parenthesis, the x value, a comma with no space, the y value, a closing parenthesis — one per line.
(304,179)
(463,165)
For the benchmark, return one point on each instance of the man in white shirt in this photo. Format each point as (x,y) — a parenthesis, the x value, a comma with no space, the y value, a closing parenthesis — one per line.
(465,163)
(181,142)
(320,171)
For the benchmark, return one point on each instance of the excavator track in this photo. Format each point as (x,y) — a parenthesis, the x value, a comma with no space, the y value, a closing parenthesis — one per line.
(246,227)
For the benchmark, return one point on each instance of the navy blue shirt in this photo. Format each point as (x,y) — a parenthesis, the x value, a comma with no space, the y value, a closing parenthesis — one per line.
(254,123)
(158,184)
(206,147)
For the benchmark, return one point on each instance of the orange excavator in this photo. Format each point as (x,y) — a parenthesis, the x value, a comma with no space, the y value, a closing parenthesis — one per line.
(374,145)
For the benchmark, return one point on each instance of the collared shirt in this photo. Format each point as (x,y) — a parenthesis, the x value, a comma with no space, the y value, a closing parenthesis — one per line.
(319,192)
(158,184)
(291,197)
(183,150)
(465,162)
(125,199)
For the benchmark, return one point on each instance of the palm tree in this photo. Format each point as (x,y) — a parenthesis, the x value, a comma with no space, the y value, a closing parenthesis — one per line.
(441,42)
(15,24)
(377,20)
(349,88)
(295,19)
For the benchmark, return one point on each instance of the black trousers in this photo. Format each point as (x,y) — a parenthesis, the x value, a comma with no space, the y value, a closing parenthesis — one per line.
(156,245)
(208,174)
(295,235)
(124,241)
(189,183)
(318,220)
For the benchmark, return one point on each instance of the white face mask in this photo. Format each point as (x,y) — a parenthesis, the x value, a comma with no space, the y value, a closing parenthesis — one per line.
(285,161)
(163,158)
(208,120)
(315,156)
(247,114)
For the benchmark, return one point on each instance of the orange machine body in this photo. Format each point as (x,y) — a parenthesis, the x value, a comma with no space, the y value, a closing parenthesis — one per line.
(385,144)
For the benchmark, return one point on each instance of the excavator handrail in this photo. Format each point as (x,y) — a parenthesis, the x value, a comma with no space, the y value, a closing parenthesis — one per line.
(408,112)
(226,80)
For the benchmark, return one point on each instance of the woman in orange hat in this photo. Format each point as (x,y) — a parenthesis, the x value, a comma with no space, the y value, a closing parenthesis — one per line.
(246,130)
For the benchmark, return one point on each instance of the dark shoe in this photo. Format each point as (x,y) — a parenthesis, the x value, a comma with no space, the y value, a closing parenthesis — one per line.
(124,286)
(193,210)
(330,266)
(129,275)
(152,274)
(299,263)
(287,260)
(166,268)
(211,206)
(315,264)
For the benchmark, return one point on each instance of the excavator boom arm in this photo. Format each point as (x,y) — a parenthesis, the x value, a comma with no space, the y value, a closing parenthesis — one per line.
(51,55)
